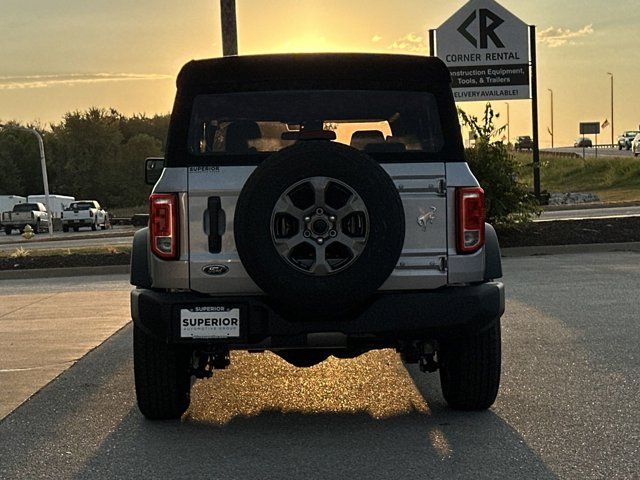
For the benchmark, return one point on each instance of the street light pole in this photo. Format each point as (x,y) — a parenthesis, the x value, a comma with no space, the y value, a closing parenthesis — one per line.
(552,129)
(612,122)
(508,124)
(43,165)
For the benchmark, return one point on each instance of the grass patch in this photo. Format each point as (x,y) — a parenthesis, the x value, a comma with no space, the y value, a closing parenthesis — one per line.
(21,252)
(612,179)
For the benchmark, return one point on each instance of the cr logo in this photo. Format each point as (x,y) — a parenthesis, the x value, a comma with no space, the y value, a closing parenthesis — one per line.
(486,30)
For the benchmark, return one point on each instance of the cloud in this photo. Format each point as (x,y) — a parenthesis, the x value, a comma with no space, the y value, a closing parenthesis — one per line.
(376,38)
(45,81)
(557,37)
(410,43)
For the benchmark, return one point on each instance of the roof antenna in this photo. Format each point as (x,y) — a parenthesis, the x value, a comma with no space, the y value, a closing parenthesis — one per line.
(229,27)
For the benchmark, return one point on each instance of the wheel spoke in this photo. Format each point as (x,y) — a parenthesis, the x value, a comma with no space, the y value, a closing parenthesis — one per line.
(285,205)
(319,185)
(320,266)
(286,245)
(355,204)
(355,245)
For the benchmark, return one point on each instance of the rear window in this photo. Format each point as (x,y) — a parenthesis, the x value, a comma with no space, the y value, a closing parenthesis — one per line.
(262,122)
(26,207)
(80,206)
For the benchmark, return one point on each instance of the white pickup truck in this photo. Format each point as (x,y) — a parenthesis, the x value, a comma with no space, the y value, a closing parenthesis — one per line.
(23,214)
(84,213)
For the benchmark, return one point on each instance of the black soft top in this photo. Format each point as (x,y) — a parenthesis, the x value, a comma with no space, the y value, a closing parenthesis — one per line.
(274,71)
(315,71)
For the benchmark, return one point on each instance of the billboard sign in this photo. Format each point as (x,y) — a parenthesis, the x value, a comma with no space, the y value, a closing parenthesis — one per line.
(486,48)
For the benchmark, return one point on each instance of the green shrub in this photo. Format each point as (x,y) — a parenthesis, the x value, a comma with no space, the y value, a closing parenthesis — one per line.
(508,200)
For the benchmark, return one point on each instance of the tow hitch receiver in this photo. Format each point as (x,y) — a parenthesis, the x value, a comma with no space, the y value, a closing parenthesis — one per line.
(204,363)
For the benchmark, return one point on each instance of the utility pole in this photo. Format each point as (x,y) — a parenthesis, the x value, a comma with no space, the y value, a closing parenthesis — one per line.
(229,27)
(612,122)
(552,129)
(508,124)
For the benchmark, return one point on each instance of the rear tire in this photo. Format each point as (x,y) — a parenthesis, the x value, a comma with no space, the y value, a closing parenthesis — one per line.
(162,377)
(65,228)
(470,369)
(94,227)
(8,230)
(76,229)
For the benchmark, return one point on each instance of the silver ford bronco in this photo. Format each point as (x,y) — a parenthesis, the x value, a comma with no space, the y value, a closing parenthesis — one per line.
(315,205)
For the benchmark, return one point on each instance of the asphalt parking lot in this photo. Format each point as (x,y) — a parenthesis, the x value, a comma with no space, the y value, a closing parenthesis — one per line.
(567,407)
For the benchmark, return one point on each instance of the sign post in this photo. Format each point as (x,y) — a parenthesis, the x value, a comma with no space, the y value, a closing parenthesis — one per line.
(491,55)
(589,128)
(534,111)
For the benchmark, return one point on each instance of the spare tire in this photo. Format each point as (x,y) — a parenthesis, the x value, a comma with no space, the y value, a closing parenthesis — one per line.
(319,227)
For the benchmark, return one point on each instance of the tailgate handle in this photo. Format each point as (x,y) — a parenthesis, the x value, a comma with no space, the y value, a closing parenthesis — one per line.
(215,220)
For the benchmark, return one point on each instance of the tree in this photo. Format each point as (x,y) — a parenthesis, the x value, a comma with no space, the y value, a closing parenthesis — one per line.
(508,200)
(20,169)
(134,191)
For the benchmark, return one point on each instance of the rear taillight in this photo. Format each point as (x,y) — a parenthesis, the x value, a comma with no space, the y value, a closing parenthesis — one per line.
(470,209)
(163,225)
(91,213)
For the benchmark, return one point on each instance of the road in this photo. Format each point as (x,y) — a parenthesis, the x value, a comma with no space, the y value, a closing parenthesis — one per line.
(591,152)
(567,406)
(590,213)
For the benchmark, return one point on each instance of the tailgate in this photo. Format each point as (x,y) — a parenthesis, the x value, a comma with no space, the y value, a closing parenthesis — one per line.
(213,194)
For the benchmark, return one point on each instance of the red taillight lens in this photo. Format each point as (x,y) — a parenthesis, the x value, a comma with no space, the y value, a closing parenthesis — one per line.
(470,219)
(163,225)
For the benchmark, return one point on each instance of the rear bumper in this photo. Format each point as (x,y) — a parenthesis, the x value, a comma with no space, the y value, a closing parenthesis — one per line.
(78,223)
(389,318)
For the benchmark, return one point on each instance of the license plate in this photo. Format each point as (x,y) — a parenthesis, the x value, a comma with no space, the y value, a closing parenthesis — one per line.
(209,322)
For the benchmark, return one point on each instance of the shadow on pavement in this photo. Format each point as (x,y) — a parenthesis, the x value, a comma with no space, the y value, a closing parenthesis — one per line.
(267,421)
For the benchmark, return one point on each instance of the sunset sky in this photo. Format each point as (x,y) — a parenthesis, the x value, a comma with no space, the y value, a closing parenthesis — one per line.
(61,55)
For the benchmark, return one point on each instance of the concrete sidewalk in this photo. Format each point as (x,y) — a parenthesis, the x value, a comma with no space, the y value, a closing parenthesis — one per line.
(43,334)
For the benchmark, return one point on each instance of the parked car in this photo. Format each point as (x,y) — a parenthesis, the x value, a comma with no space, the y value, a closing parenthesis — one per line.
(23,214)
(635,145)
(625,140)
(583,143)
(57,202)
(345,219)
(523,143)
(84,213)
(7,202)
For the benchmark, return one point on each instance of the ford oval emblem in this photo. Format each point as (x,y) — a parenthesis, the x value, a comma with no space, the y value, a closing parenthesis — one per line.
(215,270)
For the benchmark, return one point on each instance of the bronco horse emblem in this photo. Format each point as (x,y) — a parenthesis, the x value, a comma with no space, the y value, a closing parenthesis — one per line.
(426,217)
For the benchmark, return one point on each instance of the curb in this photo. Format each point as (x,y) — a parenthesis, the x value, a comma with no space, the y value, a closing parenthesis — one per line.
(570,249)
(63,272)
